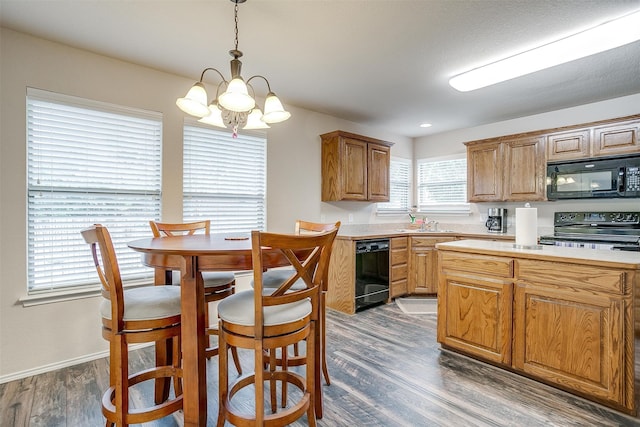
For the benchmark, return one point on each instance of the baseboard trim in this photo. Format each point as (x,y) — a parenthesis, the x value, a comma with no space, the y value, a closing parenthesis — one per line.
(62,364)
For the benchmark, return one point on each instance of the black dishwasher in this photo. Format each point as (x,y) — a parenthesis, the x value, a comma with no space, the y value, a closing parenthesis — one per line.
(372,272)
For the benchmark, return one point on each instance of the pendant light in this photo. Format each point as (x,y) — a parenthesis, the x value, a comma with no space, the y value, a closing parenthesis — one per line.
(234,108)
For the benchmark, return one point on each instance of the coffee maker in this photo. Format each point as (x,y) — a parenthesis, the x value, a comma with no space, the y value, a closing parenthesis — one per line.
(496,220)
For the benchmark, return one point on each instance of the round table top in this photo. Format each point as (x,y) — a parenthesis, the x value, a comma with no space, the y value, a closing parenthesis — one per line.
(197,244)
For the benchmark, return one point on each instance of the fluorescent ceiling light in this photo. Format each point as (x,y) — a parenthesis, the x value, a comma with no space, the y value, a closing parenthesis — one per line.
(603,37)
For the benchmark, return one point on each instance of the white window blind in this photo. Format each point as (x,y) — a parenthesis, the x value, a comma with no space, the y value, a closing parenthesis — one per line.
(400,187)
(224,179)
(88,163)
(442,185)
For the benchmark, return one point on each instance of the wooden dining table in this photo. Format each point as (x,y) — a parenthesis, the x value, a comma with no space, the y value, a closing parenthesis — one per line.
(190,255)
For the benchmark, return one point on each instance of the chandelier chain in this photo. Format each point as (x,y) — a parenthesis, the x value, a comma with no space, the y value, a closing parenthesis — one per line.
(236,20)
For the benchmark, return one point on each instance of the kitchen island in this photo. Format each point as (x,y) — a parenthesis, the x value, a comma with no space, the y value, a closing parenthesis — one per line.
(562,316)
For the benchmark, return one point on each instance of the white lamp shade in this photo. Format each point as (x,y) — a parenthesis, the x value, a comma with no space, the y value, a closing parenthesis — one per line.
(214,117)
(195,102)
(236,97)
(254,121)
(274,112)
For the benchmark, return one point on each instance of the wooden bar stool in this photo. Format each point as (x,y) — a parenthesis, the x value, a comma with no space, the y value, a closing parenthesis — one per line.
(138,315)
(217,284)
(275,277)
(267,319)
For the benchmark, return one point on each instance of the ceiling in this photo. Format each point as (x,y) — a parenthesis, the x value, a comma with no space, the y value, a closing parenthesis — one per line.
(383,63)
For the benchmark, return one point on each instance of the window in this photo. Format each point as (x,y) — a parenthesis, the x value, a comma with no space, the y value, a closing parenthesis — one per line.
(224,179)
(88,162)
(400,187)
(442,185)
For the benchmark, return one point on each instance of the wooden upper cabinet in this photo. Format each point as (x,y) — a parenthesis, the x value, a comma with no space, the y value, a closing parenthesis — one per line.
(506,170)
(612,138)
(484,177)
(355,167)
(574,144)
(524,169)
(621,138)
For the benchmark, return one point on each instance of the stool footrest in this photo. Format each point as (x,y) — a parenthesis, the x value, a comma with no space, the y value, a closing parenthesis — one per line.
(279,419)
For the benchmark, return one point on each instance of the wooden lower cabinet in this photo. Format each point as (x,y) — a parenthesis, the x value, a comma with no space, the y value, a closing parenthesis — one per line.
(423,264)
(566,324)
(399,267)
(569,326)
(476,318)
(341,292)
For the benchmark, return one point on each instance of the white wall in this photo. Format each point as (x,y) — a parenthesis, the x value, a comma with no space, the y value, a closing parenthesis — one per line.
(46,336)
(452,142)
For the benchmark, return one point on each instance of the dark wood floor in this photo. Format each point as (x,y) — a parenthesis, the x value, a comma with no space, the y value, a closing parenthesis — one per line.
(386,368)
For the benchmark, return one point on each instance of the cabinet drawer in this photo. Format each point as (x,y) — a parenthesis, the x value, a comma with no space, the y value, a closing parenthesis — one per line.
(399,288)
(399,256)
(582,277)
(399,272)
(428,242)
(474,263)
(399,243)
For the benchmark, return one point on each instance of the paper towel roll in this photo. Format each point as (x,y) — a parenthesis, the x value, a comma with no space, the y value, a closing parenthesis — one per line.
(526,226)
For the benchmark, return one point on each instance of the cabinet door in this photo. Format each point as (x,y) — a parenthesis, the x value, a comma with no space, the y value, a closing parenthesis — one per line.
(419,281)
(378,172)
(423,264)
(616,139)
(354,169)
(474,316)
(569,145)
(484,172)
(524,170)
(572,337)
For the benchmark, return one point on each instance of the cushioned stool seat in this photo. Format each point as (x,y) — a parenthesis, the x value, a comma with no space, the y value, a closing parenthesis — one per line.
(275,277)
(212,279)
(147,303)
(238,309)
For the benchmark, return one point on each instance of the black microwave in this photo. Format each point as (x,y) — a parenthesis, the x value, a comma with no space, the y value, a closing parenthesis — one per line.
(603,178)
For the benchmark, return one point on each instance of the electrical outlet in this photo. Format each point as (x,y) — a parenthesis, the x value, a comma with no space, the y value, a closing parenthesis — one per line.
(350,218)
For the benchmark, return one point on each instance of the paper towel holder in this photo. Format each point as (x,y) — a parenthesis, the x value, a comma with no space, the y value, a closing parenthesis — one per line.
(527,207)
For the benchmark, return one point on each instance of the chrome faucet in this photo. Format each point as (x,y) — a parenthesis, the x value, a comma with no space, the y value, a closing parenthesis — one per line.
(428,225)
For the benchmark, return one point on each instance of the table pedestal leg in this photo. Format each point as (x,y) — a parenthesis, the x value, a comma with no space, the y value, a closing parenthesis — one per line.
(193,345)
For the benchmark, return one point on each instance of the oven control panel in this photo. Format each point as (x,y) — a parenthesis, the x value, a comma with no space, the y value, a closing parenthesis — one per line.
(596,218)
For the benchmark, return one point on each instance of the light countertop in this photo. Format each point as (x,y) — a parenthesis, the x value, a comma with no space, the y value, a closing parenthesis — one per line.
(601,257)
(376,231)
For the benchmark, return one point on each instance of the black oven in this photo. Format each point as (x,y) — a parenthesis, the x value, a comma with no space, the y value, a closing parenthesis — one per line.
(595,178)
(372,272)
(596,230)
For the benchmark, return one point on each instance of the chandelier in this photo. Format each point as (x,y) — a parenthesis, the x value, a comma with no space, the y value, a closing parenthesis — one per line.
(234,108)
